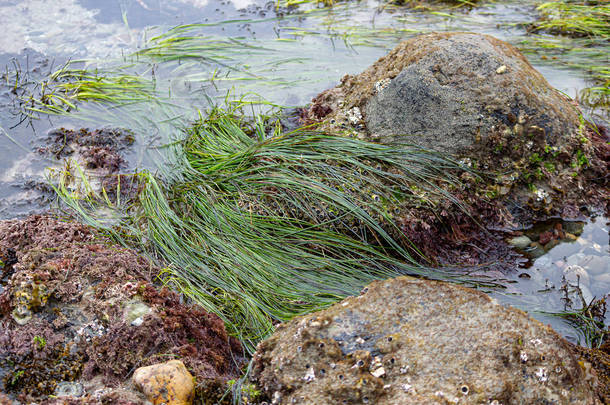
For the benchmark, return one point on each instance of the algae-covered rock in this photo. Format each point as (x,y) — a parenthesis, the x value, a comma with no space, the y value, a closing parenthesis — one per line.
(78,315)
(477,98)
(408,341)
(448,91)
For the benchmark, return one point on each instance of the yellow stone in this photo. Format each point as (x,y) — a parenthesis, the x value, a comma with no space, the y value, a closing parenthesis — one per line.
(167,383)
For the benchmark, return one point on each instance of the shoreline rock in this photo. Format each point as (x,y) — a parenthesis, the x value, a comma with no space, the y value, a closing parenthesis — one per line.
(414,341)
(477,98)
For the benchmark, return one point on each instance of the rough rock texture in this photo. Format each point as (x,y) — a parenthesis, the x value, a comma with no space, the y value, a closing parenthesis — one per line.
(477,97)
(168,383)
(407,341)
(447,91)
(78,315)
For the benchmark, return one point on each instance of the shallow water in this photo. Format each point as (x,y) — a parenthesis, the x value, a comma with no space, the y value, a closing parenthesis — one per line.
(283,57)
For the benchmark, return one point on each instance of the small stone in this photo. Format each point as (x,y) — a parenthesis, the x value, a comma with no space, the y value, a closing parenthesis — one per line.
(137,322)
(167,383)
(69,389)
(379,372)
(520,242)
(501,69)
(568,237)
(545,237)
(551,244)
(573,227)
(135,309)
(535,250)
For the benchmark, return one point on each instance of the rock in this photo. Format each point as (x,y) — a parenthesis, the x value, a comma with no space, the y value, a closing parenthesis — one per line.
(520,242)
(545,237)
(535,250)
(134,311)
(447,91)
(573,227)
(408,341)
(550,245)
(568,237)
(167,383)
(69,389)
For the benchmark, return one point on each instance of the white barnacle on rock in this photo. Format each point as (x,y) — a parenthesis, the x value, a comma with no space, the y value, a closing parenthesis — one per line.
(310,375)
(465,162)
(382,84)
(541,195)
(277,398)
(354,116)
(408,388)
(536,342)
(523,357)
(360,341)
(541,374)
(379,372)
(403,370)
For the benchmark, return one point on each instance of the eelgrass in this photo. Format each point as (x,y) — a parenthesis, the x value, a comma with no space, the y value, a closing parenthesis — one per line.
(575,17)
(260,226)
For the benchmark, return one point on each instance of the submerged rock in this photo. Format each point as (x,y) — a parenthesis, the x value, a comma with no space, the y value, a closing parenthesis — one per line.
(93,317)
(407,341)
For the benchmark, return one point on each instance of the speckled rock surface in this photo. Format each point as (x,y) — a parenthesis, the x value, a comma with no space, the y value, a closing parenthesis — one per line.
(168,383)
(446,91)
(78,315)
(407,341)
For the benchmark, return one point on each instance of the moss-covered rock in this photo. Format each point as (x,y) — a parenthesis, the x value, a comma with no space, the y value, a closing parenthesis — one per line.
(407,341)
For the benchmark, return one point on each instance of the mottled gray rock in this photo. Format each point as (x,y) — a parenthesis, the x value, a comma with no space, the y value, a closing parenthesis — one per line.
(408,341)
(458,88)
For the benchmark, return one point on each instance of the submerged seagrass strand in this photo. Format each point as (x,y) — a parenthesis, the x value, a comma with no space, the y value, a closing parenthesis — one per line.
(260,228)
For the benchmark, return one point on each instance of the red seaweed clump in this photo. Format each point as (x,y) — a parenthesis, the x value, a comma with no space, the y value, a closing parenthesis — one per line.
(78,315)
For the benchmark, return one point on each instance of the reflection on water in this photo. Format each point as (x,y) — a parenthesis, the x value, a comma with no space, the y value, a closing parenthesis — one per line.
(570,268)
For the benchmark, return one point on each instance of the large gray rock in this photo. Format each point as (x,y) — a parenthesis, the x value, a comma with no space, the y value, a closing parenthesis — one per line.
(407,341)
(448,91)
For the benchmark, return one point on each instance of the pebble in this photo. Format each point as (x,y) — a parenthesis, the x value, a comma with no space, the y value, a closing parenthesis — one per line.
(573,227)
(536,250)
(135,309)
(167,383)
(520,242)
(551,244)
(501,69)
